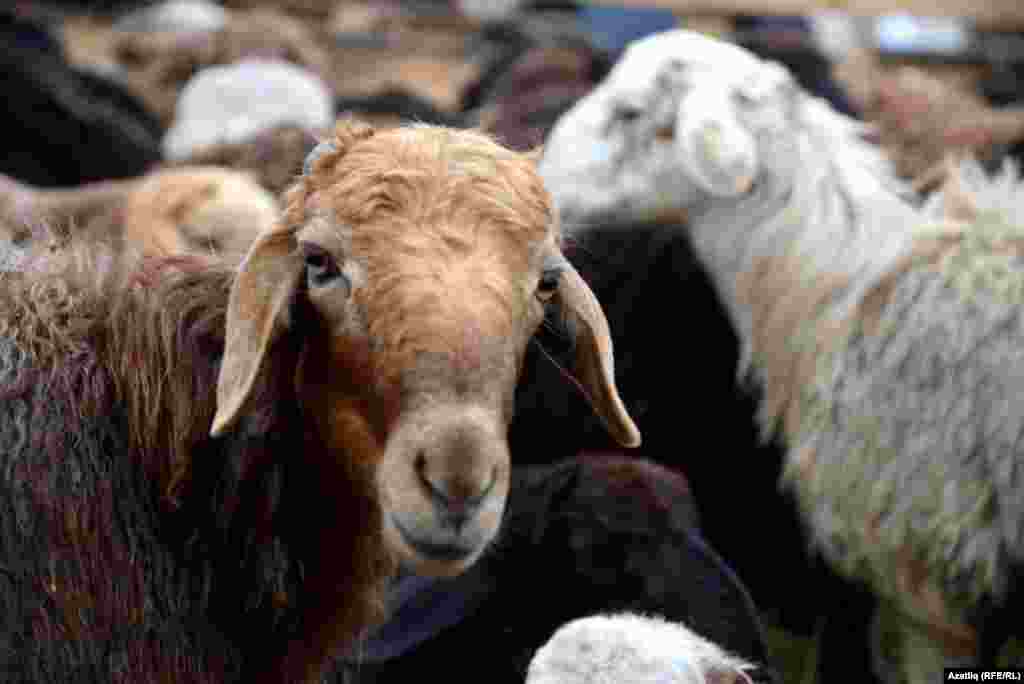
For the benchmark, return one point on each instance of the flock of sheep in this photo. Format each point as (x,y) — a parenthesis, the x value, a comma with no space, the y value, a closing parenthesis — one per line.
(311,435)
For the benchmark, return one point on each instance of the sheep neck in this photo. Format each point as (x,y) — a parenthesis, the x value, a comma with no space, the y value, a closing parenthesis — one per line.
(826,224)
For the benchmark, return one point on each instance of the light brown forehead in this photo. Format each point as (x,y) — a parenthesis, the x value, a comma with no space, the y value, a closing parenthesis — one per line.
(416,188)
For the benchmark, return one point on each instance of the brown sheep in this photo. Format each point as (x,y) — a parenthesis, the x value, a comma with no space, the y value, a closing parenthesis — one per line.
(371,343)
(197,210)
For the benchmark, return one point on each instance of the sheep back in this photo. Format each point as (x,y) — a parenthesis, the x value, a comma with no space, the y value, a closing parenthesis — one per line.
(89,593)
(906,452)
(106,575)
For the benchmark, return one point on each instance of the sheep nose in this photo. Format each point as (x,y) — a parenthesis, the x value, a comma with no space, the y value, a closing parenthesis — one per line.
(456,501)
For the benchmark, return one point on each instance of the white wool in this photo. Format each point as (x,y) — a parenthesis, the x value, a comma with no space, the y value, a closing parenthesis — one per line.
(233,103)
(628,648)
(177,16)
(489,10)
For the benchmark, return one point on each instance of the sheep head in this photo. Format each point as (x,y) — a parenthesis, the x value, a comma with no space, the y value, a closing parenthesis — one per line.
(629,648)
(426,258)
(201,210)
(681,119)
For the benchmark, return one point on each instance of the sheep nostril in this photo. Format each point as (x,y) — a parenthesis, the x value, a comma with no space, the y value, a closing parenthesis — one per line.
(454,509)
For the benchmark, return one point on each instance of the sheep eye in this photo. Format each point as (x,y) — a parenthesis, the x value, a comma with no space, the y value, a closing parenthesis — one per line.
(627,113)
(548,284)
(321,268)
(743,98)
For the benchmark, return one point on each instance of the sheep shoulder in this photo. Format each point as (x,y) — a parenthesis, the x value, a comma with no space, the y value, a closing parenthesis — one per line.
(112,331)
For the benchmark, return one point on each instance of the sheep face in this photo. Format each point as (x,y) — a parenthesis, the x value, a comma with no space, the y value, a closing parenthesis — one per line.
(426,258)
(681,120)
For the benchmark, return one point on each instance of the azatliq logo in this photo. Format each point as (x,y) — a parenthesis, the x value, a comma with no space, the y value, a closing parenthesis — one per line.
(969,674)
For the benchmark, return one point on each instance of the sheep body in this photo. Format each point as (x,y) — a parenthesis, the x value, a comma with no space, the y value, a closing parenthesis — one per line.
(887,356)
(616,532)
(632,649)
(925,402)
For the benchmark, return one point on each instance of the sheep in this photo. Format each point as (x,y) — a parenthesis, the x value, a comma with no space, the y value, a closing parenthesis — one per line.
(921,118)
(200,210)
(615,533)
(884,335)
(628,648)
(210,472)
(174,16)
(629,266)
(230,104)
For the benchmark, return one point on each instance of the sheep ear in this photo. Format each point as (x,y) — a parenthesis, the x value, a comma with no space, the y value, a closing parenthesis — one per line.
(717,152)
(256,316)
(594,365)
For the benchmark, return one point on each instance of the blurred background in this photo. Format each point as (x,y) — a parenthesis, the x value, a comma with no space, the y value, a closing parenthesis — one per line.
(108,75)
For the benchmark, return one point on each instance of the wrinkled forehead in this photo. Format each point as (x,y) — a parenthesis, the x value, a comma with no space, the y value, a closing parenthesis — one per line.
(646,63)
(442,196)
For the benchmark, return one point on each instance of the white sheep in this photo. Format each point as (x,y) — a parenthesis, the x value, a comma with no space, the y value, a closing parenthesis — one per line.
(887,336)
(628,648)
(234,103)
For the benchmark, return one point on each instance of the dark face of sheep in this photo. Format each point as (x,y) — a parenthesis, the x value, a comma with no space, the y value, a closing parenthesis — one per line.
(427,258)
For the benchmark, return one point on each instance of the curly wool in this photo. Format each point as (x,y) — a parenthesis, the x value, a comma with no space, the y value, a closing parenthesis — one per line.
(132,547)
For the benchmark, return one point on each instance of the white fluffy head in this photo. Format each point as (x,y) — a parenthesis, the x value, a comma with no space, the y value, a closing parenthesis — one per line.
(177,16)
(632,649)
(676,121)
(233,103)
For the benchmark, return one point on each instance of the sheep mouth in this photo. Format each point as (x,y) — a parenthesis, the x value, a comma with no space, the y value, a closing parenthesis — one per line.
(448,552)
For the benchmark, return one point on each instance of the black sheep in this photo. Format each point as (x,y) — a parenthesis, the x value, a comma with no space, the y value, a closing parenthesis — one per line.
(596,533)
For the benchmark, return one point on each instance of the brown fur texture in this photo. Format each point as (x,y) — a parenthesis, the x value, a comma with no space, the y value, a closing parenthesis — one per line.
(390,187)
(138,343)
(407,209)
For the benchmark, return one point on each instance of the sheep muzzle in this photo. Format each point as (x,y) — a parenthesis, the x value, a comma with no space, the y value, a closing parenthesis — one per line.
(444,479)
